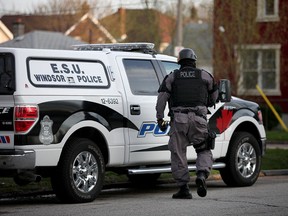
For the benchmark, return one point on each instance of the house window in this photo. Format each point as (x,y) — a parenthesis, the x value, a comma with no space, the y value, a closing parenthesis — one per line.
(260,65)
(268,10)
(269,7)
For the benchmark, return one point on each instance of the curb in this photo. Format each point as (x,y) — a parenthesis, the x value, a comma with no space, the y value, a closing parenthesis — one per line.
(263,173)
(277,146)
(272,142)
(275,172)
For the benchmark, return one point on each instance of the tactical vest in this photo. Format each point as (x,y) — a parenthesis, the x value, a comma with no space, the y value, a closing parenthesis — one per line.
(188,88)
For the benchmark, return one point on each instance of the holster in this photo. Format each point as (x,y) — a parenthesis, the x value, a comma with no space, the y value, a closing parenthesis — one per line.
(211,140)
(209,143)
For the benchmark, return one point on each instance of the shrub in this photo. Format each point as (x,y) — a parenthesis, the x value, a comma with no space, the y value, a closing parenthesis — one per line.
(269,119)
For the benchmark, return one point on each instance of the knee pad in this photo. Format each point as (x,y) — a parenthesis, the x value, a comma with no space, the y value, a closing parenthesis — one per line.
(200,146)
(208,144)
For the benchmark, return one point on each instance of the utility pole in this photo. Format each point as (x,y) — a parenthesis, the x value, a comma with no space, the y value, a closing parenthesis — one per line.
(179,29)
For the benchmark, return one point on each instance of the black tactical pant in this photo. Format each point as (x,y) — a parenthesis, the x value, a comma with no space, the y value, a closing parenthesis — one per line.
(186,129)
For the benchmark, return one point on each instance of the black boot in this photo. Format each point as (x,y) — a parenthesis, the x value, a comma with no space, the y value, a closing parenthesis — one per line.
(183,193)
(201,184)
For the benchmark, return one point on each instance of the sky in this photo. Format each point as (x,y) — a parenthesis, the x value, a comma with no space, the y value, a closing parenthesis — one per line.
(26,6)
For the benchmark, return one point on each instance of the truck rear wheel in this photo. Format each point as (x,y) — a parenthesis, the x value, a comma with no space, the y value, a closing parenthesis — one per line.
(243,161)
(80,172)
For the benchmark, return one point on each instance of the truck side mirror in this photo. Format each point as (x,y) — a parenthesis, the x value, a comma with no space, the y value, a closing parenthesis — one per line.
(224,90)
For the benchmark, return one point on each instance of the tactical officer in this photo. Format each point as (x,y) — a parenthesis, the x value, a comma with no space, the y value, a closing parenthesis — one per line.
(188,91)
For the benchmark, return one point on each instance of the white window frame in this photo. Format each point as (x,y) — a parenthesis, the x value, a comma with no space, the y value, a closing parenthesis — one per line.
(261,12)
(254,92)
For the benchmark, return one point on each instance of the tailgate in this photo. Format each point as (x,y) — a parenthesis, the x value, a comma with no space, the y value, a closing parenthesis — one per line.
(6,122)
(7,88)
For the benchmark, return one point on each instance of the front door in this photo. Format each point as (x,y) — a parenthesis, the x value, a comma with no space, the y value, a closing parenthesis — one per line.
(148,143)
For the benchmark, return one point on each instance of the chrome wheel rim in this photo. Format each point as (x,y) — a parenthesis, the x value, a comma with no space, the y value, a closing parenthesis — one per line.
(85,172)
(246,160)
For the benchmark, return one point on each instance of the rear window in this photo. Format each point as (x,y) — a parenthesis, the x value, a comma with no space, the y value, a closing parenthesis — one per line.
(7,74)
(142,76)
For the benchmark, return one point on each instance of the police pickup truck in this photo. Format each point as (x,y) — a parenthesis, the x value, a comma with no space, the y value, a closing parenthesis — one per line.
(72,115)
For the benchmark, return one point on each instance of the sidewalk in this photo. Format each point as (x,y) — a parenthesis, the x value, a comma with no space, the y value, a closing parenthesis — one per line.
(275,145)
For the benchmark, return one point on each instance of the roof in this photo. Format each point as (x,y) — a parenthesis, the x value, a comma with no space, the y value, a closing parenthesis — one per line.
(85,27)
(126,25)
(88,27)
(42,40)
(58,23)
(5,30)
(197,36)
(134,25)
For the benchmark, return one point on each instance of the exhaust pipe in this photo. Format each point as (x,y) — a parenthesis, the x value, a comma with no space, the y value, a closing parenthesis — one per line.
(25,178)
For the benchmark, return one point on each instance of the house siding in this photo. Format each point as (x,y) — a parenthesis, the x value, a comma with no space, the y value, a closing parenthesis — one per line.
(261,33)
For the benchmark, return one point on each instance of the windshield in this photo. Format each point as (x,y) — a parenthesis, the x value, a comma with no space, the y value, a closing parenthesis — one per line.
(170,66)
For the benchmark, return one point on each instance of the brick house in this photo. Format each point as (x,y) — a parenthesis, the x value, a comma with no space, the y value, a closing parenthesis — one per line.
(141,25)
(83,27)
(133,25)
(251,47)
(5,34)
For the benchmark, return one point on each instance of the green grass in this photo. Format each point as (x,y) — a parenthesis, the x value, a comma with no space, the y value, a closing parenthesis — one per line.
(278,135)
(7,185)
(275,159)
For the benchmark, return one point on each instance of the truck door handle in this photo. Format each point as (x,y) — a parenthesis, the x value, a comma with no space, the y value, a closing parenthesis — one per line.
(135,110)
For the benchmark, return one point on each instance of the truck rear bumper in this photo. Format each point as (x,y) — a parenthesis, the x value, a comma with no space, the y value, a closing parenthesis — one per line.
(17,159)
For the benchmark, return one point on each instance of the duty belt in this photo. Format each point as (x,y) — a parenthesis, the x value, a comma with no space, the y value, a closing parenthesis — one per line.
(183,111)
(187,111)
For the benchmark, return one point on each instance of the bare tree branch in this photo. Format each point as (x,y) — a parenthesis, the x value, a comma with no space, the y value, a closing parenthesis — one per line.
(95,7)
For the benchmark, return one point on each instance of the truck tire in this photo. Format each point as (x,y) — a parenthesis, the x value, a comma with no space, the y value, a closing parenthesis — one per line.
(80,172)
(243,161)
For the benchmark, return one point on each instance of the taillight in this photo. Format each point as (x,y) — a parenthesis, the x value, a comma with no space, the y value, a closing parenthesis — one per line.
(25,117)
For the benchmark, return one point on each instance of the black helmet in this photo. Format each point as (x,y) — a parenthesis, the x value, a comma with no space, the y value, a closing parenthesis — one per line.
(187,54)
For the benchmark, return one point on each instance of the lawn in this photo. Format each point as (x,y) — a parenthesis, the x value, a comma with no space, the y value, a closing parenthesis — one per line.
(277,135)
(275,159)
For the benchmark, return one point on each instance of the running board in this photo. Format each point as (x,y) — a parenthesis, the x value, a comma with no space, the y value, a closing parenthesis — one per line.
(167,169)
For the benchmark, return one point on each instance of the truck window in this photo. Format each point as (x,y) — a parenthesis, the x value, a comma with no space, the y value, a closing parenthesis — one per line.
(7,80)
(170,66)
(141,76)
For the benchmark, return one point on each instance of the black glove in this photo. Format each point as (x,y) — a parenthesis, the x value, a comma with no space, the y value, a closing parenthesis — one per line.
(163,125)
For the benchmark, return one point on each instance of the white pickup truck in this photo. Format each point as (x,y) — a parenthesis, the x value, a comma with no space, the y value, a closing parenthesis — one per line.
(72,115)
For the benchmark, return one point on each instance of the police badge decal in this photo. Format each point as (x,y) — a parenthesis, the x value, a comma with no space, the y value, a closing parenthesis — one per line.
(46,134)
